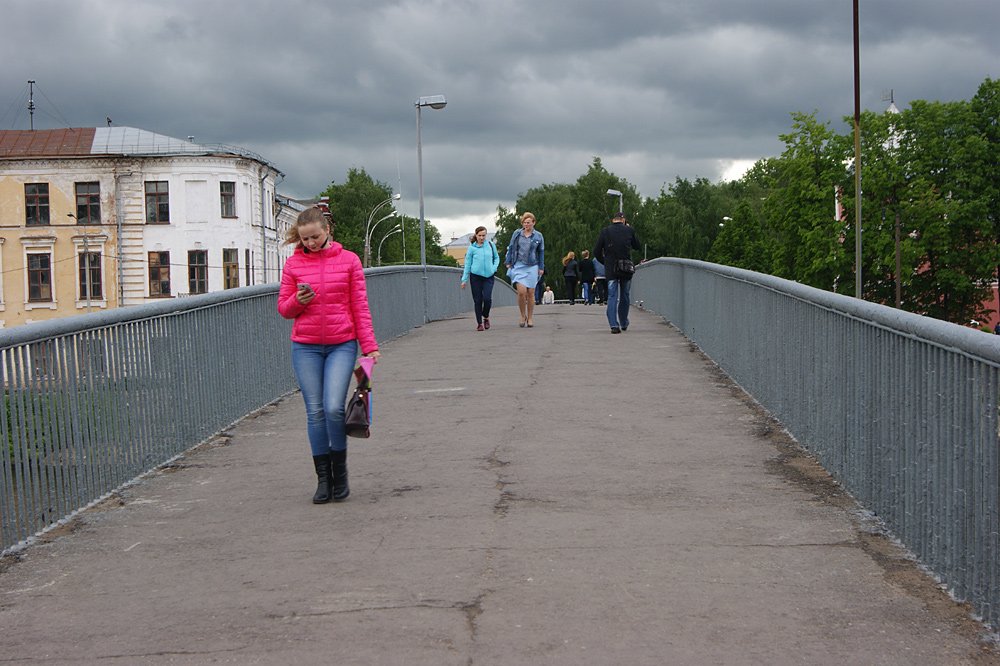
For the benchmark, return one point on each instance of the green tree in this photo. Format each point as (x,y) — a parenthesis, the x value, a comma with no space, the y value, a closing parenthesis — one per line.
(984,158)
(351,204)
(942,148)
(743,242)
(809,241)
(355,201)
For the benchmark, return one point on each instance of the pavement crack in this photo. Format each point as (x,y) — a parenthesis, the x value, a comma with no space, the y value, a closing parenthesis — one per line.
(472,612)
(502,504)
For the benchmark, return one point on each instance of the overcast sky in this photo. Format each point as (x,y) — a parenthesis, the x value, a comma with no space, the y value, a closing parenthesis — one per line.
(536,89)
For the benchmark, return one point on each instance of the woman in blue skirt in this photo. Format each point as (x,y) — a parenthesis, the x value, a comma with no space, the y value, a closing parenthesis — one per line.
(525,262)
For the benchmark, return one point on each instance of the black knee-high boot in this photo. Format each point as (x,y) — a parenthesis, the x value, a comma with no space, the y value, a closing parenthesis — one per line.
(322,464)
(339,468)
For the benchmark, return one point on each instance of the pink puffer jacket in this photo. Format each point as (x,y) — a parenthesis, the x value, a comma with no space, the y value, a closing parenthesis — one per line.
(339,312)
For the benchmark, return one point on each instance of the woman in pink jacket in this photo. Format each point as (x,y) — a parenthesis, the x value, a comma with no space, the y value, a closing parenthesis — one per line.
(323,290)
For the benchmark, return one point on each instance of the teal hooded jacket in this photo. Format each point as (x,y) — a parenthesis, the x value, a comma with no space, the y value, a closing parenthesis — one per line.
(482,260)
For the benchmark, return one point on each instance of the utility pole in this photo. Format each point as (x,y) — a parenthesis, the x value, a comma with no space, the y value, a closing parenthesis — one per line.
(31,103)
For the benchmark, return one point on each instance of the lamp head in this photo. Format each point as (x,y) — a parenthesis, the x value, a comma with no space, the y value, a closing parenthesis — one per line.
(615,192)
(433,101)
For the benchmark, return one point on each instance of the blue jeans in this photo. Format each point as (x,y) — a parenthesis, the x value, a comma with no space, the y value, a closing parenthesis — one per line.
(618,302)
(585,294)
(324,374)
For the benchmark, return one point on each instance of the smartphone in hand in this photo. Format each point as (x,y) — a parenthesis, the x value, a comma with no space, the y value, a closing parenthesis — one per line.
(304,287)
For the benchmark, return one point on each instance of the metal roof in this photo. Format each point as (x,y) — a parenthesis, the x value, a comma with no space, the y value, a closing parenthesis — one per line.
(82,141)
(463,240)
(133,141)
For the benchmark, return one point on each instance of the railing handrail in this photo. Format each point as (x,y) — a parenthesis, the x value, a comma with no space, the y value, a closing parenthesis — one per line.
(951,336)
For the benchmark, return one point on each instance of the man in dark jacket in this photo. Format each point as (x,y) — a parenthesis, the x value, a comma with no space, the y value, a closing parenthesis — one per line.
(614,248)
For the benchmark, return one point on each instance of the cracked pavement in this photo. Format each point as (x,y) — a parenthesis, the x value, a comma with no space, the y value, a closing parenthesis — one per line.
(554,495)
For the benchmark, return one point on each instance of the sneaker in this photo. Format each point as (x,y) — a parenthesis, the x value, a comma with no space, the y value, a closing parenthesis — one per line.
(480,328)
(615,329)
(624,328)
(486,323)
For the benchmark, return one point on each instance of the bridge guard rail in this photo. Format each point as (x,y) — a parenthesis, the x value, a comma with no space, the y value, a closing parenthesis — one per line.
(93,401)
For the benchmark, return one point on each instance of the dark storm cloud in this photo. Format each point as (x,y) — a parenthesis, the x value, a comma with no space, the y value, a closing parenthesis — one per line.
(535,89)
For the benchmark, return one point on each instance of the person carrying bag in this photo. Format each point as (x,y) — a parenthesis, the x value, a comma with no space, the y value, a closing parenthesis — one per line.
(614,249)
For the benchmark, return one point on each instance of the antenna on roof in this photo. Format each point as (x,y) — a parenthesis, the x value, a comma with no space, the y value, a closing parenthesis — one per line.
(889,96)
(108,118)
(31,102)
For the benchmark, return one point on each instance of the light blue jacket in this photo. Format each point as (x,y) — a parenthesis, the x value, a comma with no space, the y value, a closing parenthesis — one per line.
(536,255)
(481,260)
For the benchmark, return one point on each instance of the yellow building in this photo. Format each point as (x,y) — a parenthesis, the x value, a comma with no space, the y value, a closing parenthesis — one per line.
(457,247)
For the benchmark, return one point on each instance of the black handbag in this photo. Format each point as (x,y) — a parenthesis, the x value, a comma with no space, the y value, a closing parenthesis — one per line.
(625,268)
(358,413)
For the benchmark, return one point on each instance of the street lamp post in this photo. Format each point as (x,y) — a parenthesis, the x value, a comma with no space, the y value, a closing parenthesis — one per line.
(435,102)
(621,203)
(371,233)
(86,259)
(395,230)
(368,226)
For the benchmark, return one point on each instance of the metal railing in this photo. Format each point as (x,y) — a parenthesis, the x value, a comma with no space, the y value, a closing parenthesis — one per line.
(902,410)
(91,402)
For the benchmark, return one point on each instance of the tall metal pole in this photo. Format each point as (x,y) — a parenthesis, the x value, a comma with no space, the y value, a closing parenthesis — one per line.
(435,102)
(899,266)
(857,156)
(420,185)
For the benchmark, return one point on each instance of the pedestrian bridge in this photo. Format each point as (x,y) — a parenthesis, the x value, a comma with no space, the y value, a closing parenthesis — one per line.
(546,495)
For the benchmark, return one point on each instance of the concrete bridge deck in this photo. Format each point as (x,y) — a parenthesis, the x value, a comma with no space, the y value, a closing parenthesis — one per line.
(555,495)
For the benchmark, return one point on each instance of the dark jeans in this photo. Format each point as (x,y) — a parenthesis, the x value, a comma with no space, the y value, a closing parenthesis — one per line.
(602,290)
(571,289)
(482,295)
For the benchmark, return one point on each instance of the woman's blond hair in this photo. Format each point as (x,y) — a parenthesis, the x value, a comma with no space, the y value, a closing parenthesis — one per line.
(525,215)
(308,216)
(568,257)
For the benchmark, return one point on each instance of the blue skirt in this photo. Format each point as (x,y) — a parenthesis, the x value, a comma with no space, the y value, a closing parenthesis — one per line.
(525,274)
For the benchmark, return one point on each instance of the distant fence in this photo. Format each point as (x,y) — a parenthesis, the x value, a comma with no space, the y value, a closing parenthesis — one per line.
(94,401)
(902,410)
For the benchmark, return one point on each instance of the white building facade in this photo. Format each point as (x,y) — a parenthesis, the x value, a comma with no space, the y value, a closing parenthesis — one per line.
(94,218)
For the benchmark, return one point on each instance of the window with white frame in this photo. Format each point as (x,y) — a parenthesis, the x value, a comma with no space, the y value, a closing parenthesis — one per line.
(227,196)
(159,274)
(90,287)
(231,267)
(90,269)
(157,202)
(39,278)
(197,271)
(3,305)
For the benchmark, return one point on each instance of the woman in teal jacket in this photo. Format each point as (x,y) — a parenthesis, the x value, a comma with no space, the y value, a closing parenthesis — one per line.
(481,261)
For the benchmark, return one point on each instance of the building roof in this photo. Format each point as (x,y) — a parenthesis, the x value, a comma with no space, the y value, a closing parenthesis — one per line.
(463,240)
(84,141)
(46,143)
